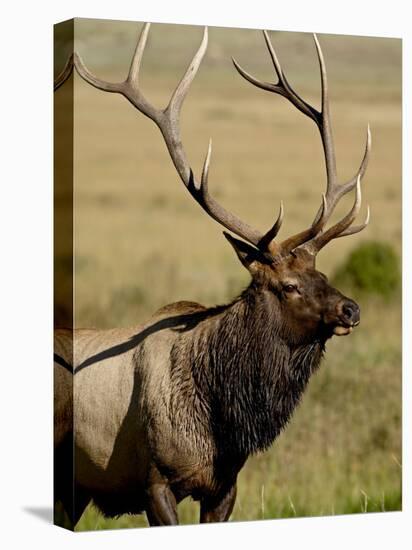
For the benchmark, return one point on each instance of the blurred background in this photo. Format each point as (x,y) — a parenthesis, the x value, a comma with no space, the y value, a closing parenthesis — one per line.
(141,241)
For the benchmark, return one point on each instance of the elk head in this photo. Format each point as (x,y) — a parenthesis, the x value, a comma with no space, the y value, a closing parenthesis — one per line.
(309,307)
(285,269)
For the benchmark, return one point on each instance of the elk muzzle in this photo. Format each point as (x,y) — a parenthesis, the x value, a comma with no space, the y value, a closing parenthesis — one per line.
(349,316)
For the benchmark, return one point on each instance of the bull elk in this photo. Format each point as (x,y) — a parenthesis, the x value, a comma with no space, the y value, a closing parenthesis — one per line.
(174,408)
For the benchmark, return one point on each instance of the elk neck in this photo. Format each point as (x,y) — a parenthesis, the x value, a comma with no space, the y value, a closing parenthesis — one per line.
(245,379)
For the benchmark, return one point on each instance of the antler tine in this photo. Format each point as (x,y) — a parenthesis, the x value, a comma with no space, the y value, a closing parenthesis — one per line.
(168,122)
(356,228)
(296,240)
(325,126)
(134,71)
(89,77)
(217,212)
(344,188)
(182,88)
(65,74)
(273,231)
(340,228)
(282,87)
(244,230)
(349,185)
(129,88)
(283,83)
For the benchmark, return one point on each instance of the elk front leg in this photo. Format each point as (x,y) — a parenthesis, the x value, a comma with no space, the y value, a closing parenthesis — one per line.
(218,509)
(161,503)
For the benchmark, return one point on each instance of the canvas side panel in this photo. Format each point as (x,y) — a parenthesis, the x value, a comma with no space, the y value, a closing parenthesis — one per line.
(63,274)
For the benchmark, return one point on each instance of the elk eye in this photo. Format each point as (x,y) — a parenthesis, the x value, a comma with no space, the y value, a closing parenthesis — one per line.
(289,288)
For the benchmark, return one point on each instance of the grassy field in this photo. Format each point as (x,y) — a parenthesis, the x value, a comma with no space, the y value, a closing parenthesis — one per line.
(142,242)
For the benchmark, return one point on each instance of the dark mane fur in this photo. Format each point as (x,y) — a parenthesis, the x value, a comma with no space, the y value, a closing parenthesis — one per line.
(245,378)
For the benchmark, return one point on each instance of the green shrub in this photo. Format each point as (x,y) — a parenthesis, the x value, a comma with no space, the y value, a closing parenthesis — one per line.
(371,268)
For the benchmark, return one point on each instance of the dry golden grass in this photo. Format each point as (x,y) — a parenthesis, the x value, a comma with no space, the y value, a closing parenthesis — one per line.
(141,241)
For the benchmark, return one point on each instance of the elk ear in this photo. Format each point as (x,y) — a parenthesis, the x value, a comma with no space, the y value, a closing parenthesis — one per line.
(250,257)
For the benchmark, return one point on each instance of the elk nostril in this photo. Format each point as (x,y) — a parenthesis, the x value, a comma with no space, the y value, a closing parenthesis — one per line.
(347,311)
(350,311)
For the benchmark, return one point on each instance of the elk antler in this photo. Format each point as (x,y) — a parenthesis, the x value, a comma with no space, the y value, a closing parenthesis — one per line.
(168,122)
(313,239)
(64,75)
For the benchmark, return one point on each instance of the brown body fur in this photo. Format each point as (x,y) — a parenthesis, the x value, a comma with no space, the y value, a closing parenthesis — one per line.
(121,408)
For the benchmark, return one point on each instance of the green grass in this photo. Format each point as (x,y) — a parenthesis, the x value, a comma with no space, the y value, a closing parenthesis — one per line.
(141,242)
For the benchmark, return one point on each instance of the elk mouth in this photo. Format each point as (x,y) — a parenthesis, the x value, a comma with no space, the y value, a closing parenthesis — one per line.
(348,317)
(344,328)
